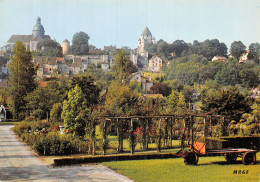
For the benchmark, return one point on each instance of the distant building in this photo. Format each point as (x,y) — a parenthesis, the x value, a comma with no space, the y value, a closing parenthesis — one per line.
(65,47)
(139,57)
(146,83)
(110,48)
(219,58)
(244,58)
(30,41)
(50,66)
(145,39)
(155,64)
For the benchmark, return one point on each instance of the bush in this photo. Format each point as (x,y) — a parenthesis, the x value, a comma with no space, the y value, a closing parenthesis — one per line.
(46,140)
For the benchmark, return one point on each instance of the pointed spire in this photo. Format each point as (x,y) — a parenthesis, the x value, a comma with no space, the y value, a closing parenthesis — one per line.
(38,21)
(146,31)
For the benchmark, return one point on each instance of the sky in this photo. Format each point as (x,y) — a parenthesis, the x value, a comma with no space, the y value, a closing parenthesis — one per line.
(121,22)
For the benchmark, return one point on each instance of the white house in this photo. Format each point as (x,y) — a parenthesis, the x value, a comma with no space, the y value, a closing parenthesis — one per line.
(219,58)
(155,64)
(244,58)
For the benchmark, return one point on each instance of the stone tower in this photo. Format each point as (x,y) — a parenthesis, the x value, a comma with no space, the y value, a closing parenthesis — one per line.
(65,47)
(144,39)
(38,29)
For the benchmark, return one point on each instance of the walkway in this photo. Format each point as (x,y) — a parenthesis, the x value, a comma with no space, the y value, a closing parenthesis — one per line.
(18,163)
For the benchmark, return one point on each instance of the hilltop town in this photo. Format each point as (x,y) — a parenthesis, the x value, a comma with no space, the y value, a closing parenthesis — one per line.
(64,62)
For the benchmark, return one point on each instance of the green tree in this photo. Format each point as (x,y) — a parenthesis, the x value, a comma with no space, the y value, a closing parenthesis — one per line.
(123,67)
(73,113)
(55,114)
(181,105)
(248,77)
(160,88)
(89,89)
(178,46)
(41,100)
(80,44)
(175,85)
(211,48)
(227,102)
(254,53)
(237,48)
(49,47)
(21,81)
(172,101)
(120,98)
(228,75)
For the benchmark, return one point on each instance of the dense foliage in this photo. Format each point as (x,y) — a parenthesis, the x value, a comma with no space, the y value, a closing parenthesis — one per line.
(21,82)
(49,47)
(189,84)
(80,44)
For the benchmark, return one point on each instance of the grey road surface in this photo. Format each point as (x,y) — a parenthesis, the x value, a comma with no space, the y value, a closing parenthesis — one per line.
(18,163)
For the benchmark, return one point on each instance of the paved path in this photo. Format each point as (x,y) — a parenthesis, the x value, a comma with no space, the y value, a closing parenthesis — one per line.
(18,163)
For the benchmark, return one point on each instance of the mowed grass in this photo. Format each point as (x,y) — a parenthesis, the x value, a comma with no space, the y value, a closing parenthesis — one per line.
(209,169)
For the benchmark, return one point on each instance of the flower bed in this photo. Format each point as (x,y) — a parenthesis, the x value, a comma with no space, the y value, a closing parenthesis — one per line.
(47,140)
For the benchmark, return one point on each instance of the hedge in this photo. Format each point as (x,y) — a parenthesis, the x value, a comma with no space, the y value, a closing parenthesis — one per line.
(248,142)
(98,159)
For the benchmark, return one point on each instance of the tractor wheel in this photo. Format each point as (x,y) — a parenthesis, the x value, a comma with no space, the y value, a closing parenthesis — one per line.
(191,158)
(231,157)
(248,158)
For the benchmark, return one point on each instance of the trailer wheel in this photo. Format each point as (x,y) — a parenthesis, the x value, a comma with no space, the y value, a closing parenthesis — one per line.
(231,157)
(191,158)
(248,158)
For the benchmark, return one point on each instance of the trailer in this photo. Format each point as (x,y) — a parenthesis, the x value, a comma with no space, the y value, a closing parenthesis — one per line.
(231,154)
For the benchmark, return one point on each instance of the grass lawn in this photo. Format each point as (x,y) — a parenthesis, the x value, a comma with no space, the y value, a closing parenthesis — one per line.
(209,169)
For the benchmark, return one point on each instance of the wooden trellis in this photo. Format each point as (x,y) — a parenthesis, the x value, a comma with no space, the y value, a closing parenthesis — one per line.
(188,121)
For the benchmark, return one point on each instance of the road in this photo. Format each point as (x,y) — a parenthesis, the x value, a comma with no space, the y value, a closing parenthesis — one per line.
(19,163)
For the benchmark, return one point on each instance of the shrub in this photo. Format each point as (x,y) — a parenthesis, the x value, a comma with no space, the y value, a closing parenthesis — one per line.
(45,138)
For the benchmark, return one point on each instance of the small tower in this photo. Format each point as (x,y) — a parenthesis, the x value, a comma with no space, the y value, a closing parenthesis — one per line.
(144,39)
(65,47)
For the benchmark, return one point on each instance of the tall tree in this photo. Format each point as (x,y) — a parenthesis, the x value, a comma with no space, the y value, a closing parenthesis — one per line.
(119,98)
(254,53)
(41,100)
(88,87)
(211,48)
(237,48)
(80,43)
(178,46)
(123,67)
(74,110)
(21,81)
(172,101)
(227,102)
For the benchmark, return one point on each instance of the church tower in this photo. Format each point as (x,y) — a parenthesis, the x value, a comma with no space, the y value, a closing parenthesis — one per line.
(144,39)
(38,29)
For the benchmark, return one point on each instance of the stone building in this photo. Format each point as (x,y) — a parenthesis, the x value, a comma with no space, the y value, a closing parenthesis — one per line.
(145,38)
(145,83)
(140,56)
(30,41)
